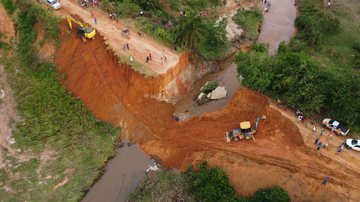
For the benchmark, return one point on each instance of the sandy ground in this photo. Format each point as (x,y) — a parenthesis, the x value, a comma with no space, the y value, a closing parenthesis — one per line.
(278,24)
(140,47)
(283,153)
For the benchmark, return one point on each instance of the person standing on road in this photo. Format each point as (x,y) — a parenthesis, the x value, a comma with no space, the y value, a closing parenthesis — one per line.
(313,130)
(150,58)
(325,180)
(95,21)
(316,141)
(127,46)
(321,133)
(340,149)
(319,145)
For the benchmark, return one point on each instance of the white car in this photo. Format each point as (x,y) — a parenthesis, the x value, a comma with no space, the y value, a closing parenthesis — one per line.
(54,4)
(335,126)
(352,144)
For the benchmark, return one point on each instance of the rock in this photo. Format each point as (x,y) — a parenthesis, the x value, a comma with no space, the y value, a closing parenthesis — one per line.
(218,93)
(201,97)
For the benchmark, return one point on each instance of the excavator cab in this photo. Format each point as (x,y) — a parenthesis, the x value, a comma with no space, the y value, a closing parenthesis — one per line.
(245,131)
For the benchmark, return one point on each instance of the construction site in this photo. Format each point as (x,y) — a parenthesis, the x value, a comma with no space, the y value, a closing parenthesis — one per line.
(148,100)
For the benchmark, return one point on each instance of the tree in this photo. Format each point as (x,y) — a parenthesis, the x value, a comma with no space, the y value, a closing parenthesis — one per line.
(191,33)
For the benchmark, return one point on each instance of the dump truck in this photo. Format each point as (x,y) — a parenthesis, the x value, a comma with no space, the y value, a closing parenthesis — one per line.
(245,131)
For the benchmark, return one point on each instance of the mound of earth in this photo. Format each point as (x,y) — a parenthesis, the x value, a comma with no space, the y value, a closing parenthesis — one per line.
(279,156)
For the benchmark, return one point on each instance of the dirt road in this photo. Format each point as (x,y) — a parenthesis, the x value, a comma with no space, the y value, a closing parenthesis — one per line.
(278,24)
(139,47)
(283,153)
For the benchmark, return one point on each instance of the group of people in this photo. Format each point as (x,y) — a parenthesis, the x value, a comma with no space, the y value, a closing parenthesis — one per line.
(320,144)
(84,3)
(163,58)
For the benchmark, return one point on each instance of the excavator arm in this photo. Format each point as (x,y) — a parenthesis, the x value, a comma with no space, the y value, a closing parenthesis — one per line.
(260,118)
(86,32)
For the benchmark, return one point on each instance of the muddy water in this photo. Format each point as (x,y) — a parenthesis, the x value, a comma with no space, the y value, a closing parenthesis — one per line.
(186,108)
(122,174)
(278,24)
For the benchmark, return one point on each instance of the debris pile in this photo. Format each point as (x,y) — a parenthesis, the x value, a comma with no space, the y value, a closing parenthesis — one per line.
(210,91)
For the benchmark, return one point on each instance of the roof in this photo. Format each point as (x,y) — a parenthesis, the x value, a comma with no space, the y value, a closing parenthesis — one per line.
(245,125)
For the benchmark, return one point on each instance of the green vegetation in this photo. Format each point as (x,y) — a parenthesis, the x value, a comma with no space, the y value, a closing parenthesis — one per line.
(204,39)
(316,71)
(3,45)
(302,83)
(166,185)
(249,21)
(210,184)
(156,31)
(272,194)
(331,34)
(199,35)
(9,6)
(53,124)
(206,184)
(201,4)
(209,86)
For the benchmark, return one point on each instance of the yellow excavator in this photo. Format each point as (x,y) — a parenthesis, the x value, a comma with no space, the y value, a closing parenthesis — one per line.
(83,31)
(244,131)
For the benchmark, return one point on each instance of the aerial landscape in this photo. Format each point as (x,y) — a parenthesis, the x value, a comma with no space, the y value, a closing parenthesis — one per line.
(180,100)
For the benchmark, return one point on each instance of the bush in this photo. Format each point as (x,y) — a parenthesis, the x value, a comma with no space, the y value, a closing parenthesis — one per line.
(9,6)
(127,9)
(154,30)
(302,83)
(260,47)
(250,21)
(210,184)
(313,24)
(209,86)
(272,194)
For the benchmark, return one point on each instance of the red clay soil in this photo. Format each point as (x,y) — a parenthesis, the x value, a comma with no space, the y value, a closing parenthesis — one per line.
(280,156)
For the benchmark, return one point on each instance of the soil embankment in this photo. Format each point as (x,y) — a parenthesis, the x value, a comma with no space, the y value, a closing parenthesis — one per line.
(279,156)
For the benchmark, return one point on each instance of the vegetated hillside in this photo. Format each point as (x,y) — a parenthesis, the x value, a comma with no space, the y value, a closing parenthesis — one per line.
(198,32)
(207,184)
(317,72)
(61,145)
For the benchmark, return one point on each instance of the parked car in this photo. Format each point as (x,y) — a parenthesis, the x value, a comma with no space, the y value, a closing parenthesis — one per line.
(352,144)
(336,126)
(54,4)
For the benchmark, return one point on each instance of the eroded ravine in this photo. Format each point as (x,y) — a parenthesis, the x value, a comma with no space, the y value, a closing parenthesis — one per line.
(115,93)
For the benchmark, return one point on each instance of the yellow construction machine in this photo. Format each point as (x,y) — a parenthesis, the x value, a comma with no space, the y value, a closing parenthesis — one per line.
(244,132)
(83,31)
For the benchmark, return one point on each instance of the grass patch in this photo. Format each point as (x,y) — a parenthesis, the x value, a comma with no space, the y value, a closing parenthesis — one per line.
(335,48)
(249,21)
(137,66)
(156,31)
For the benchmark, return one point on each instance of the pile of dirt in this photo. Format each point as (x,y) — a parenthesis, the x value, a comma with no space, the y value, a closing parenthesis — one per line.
(116,93)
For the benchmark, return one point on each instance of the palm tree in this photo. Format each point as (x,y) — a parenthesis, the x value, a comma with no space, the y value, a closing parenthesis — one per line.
(191,33)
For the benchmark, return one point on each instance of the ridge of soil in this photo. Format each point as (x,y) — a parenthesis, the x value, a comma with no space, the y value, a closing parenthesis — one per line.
(281,155)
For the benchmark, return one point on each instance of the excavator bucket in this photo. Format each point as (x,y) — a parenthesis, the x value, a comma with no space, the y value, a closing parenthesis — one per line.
(260,118)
